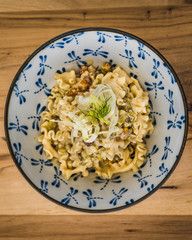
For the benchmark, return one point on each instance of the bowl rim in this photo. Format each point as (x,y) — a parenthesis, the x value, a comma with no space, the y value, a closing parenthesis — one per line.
(75,31)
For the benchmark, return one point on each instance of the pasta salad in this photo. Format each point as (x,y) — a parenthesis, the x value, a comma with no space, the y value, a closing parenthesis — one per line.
(96,118)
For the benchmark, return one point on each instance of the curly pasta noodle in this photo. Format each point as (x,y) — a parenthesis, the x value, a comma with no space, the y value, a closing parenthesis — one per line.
(123,150)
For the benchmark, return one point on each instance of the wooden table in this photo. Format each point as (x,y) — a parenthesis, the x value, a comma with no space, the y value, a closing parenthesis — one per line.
(25,25)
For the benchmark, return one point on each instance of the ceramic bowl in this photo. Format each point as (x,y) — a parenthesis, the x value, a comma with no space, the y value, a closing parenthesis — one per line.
(27,98)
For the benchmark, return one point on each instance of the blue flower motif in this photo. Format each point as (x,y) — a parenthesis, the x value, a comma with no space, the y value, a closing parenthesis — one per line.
(166,148)
(175,123)
(18,154)
(39,148)
(22,128)
(90,198)
(122,38)
(70,196)
(106,181)
(37,117)
(154,150)
(156,71)
(73,37)
(44,186)
(95,52)
(170,100)
(76,59)
(117,196)
(149,189)
(163,170)
(169,72)
(42,65)
(102,37)
(23,72)
(42,86)
(154,86)
(61,71)
(20,94)
(130,201)
(141,179)
(42,163)
(57,178)
(142,52)
(153,113)
(130,57)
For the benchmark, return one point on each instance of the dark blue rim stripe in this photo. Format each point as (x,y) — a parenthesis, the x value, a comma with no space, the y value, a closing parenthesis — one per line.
(23,67)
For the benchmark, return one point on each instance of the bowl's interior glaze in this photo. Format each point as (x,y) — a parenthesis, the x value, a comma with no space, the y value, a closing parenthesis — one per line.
(29,97)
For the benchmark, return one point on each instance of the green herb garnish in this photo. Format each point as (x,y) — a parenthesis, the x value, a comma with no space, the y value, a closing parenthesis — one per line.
(98,111)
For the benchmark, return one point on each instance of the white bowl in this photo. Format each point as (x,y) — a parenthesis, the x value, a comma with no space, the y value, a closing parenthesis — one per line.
(27,99)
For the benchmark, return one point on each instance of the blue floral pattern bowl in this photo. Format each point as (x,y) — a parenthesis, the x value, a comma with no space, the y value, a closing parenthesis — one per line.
(27,99)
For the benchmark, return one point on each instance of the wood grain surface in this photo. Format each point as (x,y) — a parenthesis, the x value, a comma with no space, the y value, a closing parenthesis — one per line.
(95,227)
(24,26)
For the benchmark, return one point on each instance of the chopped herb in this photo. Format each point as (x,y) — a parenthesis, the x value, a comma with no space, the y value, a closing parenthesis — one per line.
(98,112)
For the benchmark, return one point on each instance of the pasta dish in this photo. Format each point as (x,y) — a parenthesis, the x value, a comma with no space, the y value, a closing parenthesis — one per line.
(96,118)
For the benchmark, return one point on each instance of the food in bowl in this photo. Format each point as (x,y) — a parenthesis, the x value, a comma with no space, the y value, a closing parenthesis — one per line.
(27,99)
(96,118)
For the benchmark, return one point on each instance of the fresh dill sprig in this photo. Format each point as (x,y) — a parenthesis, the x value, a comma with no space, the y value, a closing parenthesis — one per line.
(98,112)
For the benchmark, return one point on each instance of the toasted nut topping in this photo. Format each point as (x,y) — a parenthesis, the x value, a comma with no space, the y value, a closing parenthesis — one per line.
(82,85)
(72,92)
(88,80)
(106,67)
(83,69)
